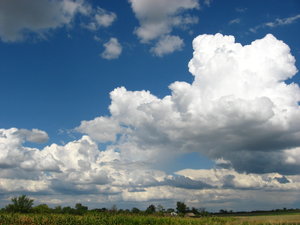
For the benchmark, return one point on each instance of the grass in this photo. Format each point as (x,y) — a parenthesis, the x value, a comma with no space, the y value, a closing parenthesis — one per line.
(123,219)
(269,219)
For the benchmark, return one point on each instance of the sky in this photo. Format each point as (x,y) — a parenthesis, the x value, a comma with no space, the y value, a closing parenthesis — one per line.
(140,102)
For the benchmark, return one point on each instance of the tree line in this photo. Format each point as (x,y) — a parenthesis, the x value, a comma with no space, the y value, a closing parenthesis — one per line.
(24,204)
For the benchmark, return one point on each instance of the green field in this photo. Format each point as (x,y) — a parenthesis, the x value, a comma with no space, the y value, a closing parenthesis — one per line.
(123,219)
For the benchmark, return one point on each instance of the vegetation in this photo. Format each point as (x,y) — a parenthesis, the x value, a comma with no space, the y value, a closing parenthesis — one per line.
(126,219)
(22,212)
(20,204)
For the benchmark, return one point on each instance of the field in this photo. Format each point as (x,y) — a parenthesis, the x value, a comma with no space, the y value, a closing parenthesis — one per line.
(110,219)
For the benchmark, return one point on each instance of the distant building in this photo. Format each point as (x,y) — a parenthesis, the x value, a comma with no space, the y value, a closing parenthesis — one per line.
(173,214)
(190,214)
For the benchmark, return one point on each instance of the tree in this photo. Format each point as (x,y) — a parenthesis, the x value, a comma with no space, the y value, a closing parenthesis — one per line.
(21,204)
(43,208)
(169,210)
(80,209)
(135,210)
(160,208)
(57,209)
(68,210)
(151,209)
(181,207)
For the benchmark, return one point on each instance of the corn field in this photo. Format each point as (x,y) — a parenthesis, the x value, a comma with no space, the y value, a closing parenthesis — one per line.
(117,219)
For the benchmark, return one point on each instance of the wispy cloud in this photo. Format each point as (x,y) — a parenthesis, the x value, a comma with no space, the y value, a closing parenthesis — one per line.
(101,18)
(240,10)
(276,23)
(234,21)
(208,2)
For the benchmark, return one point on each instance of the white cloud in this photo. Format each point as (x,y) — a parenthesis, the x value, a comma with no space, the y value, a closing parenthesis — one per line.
(284,21)
(277,22)
(35,135)
(159,17)
(167,44)
(238,111)
(101,18)
(108,177)
(254,120)
(228,178)
(19,18)
(234,21)
(208,2)
(113,49)
(101,129)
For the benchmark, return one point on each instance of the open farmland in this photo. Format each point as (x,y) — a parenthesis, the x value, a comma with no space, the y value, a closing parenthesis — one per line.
(124,219)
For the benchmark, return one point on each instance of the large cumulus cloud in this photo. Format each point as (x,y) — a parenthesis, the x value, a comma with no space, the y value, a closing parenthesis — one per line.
(238,108)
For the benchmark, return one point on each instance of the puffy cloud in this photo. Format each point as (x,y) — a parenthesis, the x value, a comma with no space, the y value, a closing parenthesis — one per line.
(238,111)
(95,176)
(253,127)
(113,49)
(157,19)
(21,18)
(101,129)
(167,44)
(101,18)
(34,135)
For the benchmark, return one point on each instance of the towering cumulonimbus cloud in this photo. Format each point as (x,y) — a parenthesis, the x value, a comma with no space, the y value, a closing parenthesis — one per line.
(239,108)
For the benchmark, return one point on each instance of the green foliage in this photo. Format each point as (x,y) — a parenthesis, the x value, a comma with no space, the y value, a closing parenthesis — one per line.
(43,208)
(21,204)
(57,209)
(181,207)
(80,209)
(108,218)
(135,210)
(151,209)
(105,218)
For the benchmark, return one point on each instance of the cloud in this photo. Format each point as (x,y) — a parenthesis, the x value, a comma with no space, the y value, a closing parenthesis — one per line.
(101,129)
(19,19)
(107,176)
(277,22)
(158,17)
(284,21)
(251,131)
(234,21)
(240,10)
(34,135)
(252,126)
(228,178)
(208,2)
(167,44)
(101,18)
(112,49)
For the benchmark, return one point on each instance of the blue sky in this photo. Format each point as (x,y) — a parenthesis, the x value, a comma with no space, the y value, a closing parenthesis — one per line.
(60,60)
